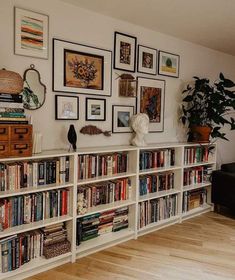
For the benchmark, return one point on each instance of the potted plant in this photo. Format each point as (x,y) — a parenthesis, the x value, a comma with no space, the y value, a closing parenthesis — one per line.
(206,108)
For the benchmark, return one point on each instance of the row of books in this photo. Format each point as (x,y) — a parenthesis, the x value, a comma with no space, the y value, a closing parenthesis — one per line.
(90,166)
(14,176)
(26,209)
(156,182)
(103,193)
(157,158)
(97,224)
(20,249)
(11,109)
(194,199)
(155,210)
(196,154)
(197,175)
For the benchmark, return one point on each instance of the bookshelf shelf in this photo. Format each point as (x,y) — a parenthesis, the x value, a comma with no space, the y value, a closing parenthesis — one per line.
(158,194)
(33,226)
(42,188)
(106,207)
(159,169)
(105,178)
(196,186)
(176,159)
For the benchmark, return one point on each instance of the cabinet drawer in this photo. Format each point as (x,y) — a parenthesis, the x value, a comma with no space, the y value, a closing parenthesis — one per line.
(4,133)
(21,133)
(4,149)
(21,149)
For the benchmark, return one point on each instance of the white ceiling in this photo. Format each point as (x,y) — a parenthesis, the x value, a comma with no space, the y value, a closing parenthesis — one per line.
(210,23)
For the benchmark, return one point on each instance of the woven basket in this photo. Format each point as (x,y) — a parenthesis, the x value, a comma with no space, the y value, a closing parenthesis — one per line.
(10,82)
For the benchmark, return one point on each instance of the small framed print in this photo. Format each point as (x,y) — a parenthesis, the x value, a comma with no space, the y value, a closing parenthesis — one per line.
(147,60)
(121,118)
(150,100)
(124,52)
(81,69)
(95,109)
(31,33)
(168,64)
(66,107)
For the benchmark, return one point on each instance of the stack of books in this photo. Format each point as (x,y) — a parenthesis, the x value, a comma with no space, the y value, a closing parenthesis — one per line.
(106,222)
(196,155)
(194,199)
(17,250)
(12,110)
(120,220)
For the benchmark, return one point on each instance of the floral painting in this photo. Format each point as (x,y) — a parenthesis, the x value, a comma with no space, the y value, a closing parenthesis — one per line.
(83,70)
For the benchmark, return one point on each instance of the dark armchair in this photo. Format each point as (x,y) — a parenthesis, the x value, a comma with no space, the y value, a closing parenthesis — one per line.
(223,187)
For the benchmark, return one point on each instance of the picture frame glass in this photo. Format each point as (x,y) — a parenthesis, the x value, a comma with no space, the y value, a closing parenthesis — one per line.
(147,60)
(95,109)
(121,118)
(31,33)
(66,107)
(168,64)
(150,100)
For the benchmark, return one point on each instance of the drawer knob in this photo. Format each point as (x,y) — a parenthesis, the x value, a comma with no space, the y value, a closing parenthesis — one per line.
(21,136)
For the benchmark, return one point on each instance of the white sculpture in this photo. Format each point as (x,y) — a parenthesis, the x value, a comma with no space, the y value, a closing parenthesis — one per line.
(140,124)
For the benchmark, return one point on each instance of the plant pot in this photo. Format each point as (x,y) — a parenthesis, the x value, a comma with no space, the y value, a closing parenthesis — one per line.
(200,134)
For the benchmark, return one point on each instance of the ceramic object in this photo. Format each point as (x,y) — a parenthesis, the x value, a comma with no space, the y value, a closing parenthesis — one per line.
(140,125)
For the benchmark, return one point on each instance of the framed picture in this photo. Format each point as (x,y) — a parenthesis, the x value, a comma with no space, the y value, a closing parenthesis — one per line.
(95,109)
(147,60)
(124,52)
(121,118)
(81,69)
(31,33)
(168,64)
(150,100)
(66,107)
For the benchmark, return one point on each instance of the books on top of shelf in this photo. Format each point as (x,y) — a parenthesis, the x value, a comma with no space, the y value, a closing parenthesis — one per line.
(196,154)
(92,226)
(152,211)
(26,174)
(102,193)
(194,199)
(157,158)
(156,182)
(90,166)
(26,209)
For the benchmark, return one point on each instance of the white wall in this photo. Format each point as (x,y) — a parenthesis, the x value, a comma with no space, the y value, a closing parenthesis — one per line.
(78,25)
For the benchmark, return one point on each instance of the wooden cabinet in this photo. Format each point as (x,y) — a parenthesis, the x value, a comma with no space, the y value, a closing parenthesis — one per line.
(15,140)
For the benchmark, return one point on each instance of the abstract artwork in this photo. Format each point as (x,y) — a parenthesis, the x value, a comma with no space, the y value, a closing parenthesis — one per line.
(81,69)
(168,64)
(121,118)
(124,52)
(147,60)
(66,107)
(31,33)
(150,100)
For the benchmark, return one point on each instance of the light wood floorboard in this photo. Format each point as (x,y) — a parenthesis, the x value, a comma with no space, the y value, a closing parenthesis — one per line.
(200,248)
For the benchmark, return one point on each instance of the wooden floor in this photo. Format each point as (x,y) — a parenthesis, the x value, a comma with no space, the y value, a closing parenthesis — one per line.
(200,248)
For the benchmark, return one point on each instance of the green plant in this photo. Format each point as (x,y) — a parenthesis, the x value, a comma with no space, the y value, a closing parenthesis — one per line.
(206,104)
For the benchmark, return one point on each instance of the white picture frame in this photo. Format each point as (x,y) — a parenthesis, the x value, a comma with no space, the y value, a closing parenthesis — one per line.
(121,118)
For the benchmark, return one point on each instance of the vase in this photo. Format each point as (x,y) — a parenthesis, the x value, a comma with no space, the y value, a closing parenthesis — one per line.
(200,134)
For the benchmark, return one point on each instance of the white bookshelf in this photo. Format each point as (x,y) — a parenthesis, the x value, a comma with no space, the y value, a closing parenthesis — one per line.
(110,239)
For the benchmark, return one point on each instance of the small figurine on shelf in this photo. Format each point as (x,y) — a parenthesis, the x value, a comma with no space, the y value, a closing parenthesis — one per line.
(140,124)
(72,137)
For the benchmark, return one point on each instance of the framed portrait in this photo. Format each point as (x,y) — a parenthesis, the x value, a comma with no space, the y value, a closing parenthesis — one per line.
(66,107)
(168,64)
(121,118)
(31,33)
(150,100)
(95,109)
(147,60)
(81,69)
(124,52)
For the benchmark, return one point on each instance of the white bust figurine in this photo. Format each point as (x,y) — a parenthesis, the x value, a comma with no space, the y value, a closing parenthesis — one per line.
(140,124)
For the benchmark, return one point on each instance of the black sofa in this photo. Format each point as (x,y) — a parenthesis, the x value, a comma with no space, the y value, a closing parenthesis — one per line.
(223,187)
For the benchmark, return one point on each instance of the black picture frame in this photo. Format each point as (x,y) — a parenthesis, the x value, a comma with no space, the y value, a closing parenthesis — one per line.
(133,55)
(104,109)
(57,104)
(58,67)
(162,73)
(155,65)
(114,126)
